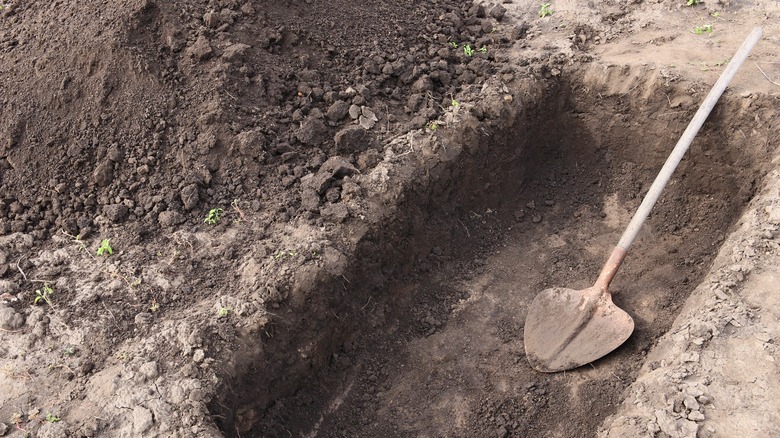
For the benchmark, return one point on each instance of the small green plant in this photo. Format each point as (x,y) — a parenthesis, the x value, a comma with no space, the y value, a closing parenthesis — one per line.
(704,28)
(44,294)
(214,216)
(105,248)
(155,306)
(468,50)
(482,50)
(433,126)
(545,10)
(715,14)
(51,418)
(692,2)
(455,103)
(454,44)
(68,350)
(284,254)
(223,312)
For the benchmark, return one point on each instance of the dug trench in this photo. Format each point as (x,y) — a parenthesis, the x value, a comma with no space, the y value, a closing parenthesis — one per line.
(423,333)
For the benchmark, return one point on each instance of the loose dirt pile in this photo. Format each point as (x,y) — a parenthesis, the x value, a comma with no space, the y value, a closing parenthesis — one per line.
(329,219)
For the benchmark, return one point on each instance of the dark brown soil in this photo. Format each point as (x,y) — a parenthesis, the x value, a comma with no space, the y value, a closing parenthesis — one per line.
(391,202)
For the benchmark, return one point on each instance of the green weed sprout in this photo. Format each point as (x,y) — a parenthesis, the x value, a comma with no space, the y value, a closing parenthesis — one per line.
(455,103)
(284,254)
(44,295)
(705,28)
(692,2)
(468,50)
(454,44)
(105,248)
(51,418)
(215,214)
(223,312)
(545,10)
(433,126)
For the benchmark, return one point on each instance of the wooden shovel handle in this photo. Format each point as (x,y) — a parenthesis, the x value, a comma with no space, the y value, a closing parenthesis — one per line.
(610,269)
(619,253)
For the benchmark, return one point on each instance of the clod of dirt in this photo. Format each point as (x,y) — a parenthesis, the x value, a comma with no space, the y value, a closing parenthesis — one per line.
(352,138)
(10,319)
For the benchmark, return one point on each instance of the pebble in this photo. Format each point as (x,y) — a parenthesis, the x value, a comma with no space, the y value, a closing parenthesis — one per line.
(354,112)
(536,219)
(142,419)
(696,416)
(337,111)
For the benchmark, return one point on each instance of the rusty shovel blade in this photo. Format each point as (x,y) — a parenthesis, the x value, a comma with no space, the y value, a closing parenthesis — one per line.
(568,328)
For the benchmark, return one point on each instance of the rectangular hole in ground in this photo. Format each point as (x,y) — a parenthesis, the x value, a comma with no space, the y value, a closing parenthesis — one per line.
(434,344)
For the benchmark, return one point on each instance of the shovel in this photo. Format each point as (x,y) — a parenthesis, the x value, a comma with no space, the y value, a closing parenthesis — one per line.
(568,328)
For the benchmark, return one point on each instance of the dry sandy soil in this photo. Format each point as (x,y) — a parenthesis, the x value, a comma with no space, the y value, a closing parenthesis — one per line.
(393,183)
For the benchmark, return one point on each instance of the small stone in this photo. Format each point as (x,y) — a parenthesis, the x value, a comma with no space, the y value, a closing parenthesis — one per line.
(773,213)
(142,419)
(354,111)
(549,202)
(696,416)
(502,432)
(200,50)
(312,132)
(104,173)
(337,111)
(497,12)
(691,403)
(199,355)
(368,113)
(366,123)
(531,205)
(536,219)
(351,139)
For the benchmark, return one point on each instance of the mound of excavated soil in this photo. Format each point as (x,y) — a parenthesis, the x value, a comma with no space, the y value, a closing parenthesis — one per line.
(302,218)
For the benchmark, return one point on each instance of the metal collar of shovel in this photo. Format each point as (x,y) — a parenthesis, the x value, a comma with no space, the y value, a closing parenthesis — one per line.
(567,328)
